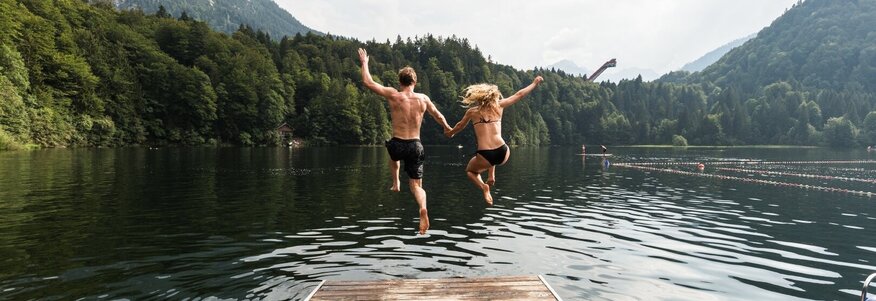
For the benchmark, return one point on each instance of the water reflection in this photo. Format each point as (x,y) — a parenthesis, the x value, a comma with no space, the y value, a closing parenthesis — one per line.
(266,223)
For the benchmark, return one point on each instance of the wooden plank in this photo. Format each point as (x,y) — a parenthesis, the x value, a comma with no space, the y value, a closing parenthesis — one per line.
(314,290)
(487,288)
(431,283)
(538,288)
(446,280)
(431,298)
(384,285)
(469,296)
(553,292)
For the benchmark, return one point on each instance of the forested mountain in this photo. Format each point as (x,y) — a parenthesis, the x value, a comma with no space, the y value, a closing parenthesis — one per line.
(817,45)
(227,15)
(79,74)
(714,55)
(811,72)
(76,74)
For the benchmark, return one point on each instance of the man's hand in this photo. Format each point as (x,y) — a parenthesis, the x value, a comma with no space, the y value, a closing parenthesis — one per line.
(363,56)
(448,132)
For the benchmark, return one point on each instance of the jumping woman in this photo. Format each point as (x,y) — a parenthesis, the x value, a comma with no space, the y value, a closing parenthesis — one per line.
(485,107)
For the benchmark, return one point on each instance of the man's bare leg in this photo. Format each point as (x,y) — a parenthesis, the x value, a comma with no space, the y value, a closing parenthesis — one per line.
(419,193)
(475,167)
(491,178)
(393,173)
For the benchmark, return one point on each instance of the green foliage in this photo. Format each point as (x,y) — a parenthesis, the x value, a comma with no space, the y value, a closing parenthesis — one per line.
(8,143)
(75,74)
(840,132)
(868,129)
(819,53)
(13,111)
(678,140)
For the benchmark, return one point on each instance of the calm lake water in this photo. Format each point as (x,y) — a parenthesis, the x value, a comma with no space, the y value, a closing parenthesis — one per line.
(268,223)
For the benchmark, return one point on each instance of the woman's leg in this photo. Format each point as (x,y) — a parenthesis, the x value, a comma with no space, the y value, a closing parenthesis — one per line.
(491,179)
(475,167)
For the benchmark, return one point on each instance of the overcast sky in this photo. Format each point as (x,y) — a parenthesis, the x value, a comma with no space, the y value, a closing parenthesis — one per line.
(642,34)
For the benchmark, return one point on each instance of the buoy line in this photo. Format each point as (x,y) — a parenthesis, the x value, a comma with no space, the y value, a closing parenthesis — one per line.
(749,180)
(800,175)
(755,162)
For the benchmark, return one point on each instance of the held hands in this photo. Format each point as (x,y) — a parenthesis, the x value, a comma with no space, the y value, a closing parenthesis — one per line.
(363,56)
(448,132)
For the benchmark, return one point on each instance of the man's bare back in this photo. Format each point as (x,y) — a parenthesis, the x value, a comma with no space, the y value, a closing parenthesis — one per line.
(406,109)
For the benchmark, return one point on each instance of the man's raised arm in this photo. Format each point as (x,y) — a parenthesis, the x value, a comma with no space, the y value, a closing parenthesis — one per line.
(369,82)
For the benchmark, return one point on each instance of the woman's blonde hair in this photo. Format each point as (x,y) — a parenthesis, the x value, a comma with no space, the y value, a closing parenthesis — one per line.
(484,97)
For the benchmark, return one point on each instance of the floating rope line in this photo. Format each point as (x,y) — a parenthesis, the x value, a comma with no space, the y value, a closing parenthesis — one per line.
(801,175)
(749,180)
(754,162)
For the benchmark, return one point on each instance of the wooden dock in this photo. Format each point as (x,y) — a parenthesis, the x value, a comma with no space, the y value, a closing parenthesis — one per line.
(490,288)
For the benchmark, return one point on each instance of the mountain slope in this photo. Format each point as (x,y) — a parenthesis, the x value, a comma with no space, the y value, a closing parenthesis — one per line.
(818,44)
(569,67)
(714,55)
(228,15)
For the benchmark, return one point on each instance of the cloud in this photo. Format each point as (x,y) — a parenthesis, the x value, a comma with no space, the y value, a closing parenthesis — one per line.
(565,39)
(651,35)
(567,44)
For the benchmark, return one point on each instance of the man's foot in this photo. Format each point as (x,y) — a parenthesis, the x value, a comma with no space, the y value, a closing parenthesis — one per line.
(491,182)
(487,196)
(395,185)
(424,220)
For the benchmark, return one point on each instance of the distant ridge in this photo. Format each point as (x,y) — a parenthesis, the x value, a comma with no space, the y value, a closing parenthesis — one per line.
(612,75)
(815,45)
(569,67)
(228,15)
(714,55)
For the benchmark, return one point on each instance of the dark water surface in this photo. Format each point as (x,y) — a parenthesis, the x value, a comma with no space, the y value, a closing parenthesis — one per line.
(268,223)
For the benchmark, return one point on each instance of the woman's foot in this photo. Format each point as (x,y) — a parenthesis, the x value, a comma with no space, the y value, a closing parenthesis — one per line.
(487,196)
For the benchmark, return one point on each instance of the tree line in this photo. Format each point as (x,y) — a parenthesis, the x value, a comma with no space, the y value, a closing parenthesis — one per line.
(78,74)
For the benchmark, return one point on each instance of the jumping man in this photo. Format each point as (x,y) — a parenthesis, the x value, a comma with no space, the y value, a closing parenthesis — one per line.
(406,111)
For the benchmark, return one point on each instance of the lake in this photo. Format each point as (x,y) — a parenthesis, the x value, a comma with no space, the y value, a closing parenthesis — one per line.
(268,223)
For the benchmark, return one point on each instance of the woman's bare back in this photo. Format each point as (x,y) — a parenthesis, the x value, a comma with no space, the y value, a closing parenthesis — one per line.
(488,129)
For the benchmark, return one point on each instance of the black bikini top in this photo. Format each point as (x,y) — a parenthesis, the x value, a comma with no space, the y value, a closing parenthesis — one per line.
(486,121)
